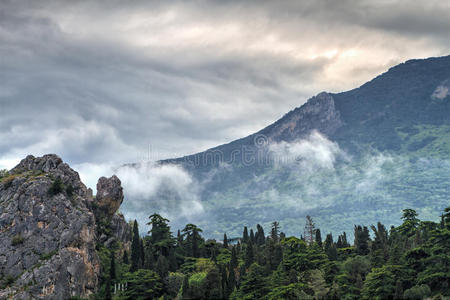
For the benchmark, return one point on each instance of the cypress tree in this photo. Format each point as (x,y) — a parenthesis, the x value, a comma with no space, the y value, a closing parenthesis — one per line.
(142,253)
(185,287)
(135,248)
(330,247)
(344,240)
(260,237)
(125,257)
(108,295)
(332,252)
(252,236)
(242,273)
(213,255)
(318,237)
(225,241)
(328,242)
(278,255)
(112,268)
(224,281)
(361,240)
(245,237)
(234,260)
(249,256)
(275,231)
(231,282)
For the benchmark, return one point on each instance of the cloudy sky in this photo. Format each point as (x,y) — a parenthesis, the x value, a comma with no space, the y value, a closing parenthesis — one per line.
(107,82)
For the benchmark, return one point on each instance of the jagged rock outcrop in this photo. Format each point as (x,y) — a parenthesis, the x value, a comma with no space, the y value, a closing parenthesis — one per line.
(121,230)
(48,230)
(318,113)
(107,202)
(109,195)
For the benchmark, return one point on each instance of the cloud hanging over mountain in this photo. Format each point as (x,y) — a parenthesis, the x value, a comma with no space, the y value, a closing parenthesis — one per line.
(108,82)
(309,154)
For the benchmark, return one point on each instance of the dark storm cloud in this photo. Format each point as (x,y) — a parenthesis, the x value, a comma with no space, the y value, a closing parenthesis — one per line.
(99,81)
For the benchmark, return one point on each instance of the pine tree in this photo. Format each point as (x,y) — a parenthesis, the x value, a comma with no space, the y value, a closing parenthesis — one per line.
(161,237)
(162,267)
(179,238)
(173,264)
(148,254)
(410,222)
(253,285)
(135,248)
(193,239)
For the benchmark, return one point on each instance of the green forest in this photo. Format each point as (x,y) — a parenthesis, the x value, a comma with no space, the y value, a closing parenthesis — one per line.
(410,261)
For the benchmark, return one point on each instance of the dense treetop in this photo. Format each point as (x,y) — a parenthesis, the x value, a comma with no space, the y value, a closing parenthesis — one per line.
(411,261)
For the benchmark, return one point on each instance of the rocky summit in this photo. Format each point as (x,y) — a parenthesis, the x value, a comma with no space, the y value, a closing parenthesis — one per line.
(49,231)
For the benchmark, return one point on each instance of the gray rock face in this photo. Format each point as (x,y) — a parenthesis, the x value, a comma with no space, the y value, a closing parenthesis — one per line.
(319,113)
(121,230)
(109,195)
(48,230)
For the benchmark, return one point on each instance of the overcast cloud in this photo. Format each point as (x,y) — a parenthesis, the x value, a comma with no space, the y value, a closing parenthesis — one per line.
(108,82)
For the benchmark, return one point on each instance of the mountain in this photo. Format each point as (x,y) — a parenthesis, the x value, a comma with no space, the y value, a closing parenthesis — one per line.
(362,154)
(410,94)
(51,228)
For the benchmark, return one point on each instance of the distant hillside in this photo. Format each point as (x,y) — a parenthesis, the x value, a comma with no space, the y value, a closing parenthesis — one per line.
(357,155)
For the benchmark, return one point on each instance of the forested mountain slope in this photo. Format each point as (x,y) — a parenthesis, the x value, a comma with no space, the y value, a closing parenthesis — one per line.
(357,155)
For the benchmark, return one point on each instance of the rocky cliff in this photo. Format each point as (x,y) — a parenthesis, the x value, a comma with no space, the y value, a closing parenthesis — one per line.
(48,230)
(318,113)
